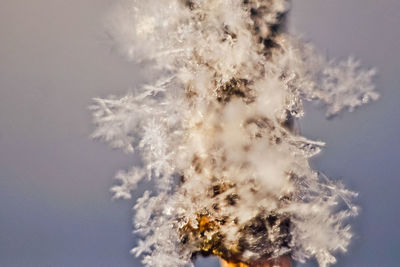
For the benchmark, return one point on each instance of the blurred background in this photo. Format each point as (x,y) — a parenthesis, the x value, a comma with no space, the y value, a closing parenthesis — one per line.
(55,205)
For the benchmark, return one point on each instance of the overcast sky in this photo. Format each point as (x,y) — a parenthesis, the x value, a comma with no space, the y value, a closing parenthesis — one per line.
(55,205)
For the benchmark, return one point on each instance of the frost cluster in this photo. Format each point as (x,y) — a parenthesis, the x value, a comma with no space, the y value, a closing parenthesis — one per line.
(217,133)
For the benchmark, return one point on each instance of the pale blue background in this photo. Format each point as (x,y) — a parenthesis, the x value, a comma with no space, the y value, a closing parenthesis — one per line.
(55,205)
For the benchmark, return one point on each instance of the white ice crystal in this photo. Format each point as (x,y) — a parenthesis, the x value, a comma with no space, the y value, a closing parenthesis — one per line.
(217,132)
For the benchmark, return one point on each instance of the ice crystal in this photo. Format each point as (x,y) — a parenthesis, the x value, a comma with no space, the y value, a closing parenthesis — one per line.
(217,133)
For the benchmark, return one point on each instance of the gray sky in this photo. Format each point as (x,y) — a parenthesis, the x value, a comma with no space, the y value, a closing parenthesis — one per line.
(55,205)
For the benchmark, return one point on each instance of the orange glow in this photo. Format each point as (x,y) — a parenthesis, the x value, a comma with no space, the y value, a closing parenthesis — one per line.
(232,264)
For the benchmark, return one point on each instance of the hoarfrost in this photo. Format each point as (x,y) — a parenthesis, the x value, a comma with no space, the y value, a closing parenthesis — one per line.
(217,133)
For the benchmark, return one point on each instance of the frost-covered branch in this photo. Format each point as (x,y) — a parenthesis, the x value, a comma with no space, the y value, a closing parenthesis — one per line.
(217,133)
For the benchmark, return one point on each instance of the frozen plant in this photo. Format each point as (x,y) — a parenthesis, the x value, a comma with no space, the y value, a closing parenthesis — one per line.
(217,133)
